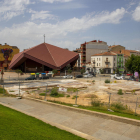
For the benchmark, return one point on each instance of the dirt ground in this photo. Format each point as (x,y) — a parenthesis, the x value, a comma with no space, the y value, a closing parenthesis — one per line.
(99,90)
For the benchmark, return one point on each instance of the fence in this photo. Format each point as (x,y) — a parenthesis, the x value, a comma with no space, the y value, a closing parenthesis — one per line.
(79,97)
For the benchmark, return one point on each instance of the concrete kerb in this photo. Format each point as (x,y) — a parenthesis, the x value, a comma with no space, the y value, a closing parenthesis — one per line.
(98,114)
(73,131)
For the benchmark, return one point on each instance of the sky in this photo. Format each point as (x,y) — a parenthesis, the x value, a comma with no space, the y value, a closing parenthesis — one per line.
(69,23)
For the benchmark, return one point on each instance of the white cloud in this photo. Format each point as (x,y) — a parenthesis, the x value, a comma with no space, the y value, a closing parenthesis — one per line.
(52,1)
(12,8)
(29,33)
(41,15)
(136,14)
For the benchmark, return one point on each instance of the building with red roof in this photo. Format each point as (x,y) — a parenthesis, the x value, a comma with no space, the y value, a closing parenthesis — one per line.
(43,57)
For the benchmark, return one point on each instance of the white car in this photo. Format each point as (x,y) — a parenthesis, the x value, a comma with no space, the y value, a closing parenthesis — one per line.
(68,76)
(119,77)
(88,76)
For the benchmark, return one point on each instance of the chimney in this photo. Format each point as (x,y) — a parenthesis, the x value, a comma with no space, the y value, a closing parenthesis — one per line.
(5,43)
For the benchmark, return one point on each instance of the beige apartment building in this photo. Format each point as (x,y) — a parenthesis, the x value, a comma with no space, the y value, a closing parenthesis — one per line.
(106,61)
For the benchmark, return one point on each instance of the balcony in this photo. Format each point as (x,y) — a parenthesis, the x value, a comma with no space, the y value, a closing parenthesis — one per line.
(83,54)
(93,61)
(107,61)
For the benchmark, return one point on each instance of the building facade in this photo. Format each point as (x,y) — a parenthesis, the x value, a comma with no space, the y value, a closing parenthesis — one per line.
(7,53)
(88,49)
(105,62)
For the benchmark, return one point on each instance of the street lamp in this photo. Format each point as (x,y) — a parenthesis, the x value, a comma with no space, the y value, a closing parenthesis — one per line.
(60,71)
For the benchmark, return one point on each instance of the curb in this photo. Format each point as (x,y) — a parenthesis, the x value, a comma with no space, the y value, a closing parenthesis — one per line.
(98,114)
(73,131)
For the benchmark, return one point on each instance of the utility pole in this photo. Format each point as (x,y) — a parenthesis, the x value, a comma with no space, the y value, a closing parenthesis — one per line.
(46,93)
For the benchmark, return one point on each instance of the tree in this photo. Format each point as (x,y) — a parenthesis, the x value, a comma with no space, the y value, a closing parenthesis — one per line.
(136,64)
(130,65)
(82,71)
(18,72)
(69,71)
(54,71)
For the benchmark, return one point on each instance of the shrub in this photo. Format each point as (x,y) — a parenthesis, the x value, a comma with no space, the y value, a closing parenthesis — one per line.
(69,71)
(91,96)
(68,96)
(96,103)
(54,92)
(93,81)
(107,81)
(115,81)
(54,71)
(120,92)
(82,71)
(118,106)
(74,97)
(42,94)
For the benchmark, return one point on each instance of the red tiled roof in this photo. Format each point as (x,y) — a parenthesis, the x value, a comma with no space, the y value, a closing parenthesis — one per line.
(105,54)
(46,54)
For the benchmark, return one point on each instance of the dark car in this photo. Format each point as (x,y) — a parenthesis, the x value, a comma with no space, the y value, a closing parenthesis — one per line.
(132,78)
(31,78)
(79,76)
(44,77)
(92,73)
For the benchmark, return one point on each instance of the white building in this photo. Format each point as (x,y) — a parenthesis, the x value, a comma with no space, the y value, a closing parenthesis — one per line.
(106,61)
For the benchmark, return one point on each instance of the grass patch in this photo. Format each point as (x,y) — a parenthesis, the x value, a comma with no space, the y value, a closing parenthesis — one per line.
(120,92)
(18,126)
(103,109)
(107,81)
(38,88)
(68,96)
(74,97)
(72,90)
(11,91)
(1,90)
(54,93)
(42,94)
(91,96)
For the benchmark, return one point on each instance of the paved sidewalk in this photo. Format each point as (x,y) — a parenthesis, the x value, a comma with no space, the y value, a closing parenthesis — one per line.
(97,127)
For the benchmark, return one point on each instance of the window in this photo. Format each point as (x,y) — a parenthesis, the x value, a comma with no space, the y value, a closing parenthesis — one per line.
(97,59)
(114,59)
(97,64)
(114,64)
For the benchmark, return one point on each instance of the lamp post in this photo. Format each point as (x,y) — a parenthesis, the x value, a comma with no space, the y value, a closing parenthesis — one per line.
(60,71)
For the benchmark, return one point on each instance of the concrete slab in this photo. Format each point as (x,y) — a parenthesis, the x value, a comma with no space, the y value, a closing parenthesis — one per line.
(97,127)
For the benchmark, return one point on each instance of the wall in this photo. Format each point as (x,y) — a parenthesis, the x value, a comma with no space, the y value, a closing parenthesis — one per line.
(117,48)
(95,48)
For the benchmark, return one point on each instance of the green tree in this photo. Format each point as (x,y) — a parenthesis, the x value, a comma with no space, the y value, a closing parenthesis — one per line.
(82,71)
(136,64)
(54,71)
(69,71)
(130,65)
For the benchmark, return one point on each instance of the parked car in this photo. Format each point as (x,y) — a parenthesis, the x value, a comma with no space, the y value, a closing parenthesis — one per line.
(44,77)
(132,78)
(129,74)
(119,77)
(113,75)
(31,78)
(92,73)
(79,76)
(68,76)
(88,76)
